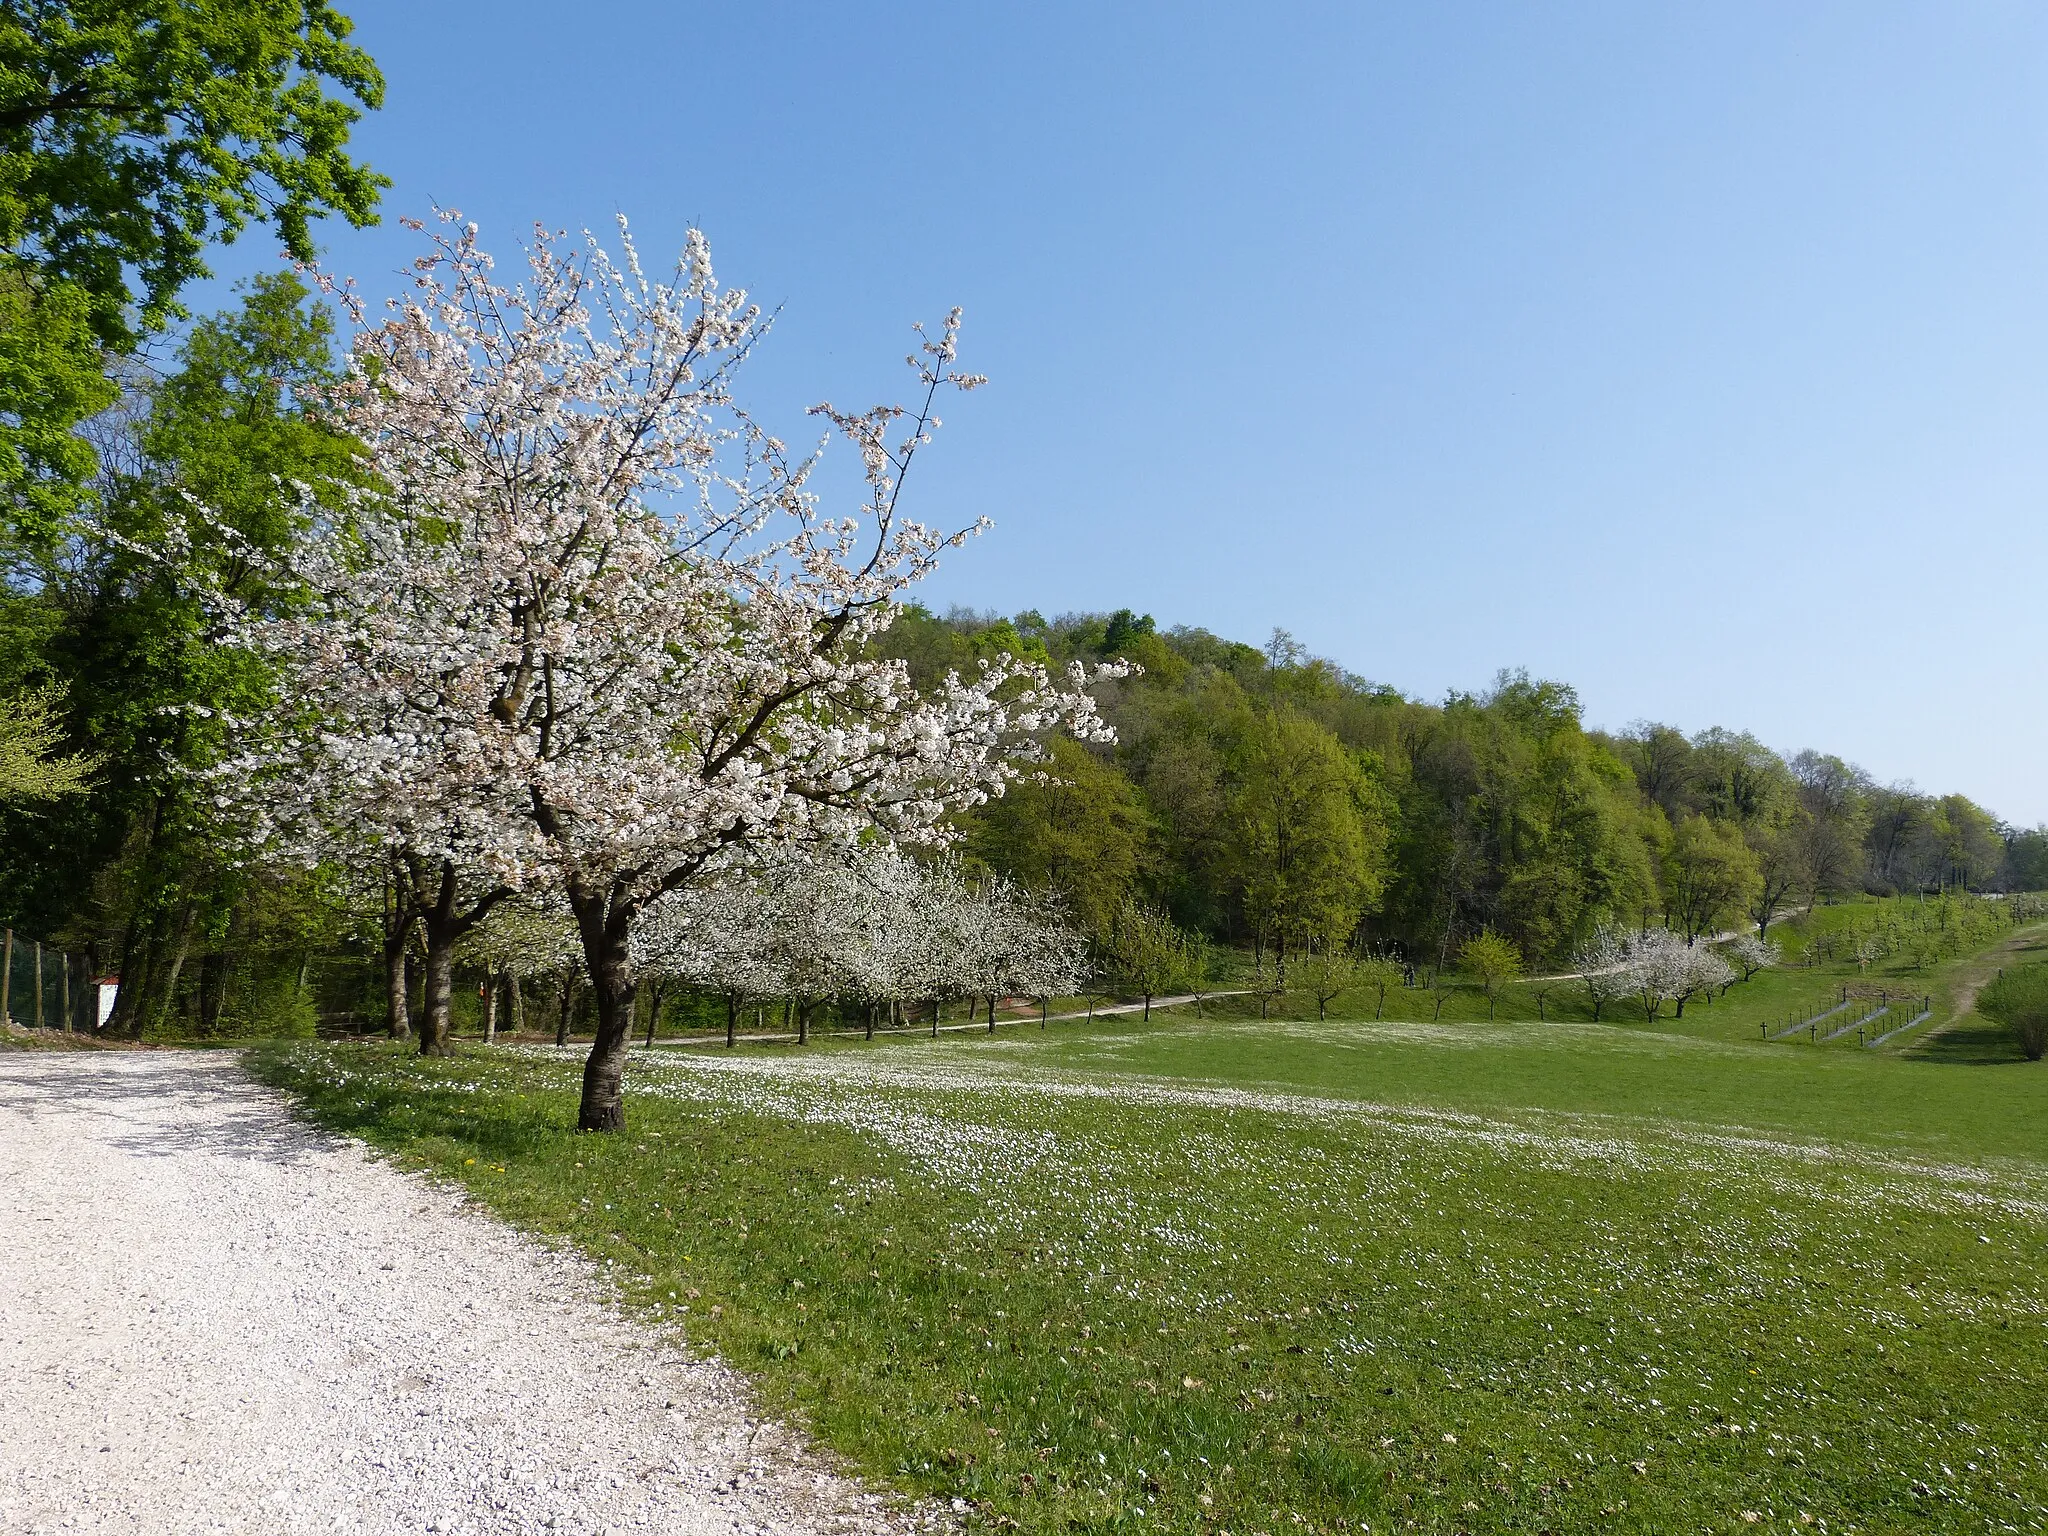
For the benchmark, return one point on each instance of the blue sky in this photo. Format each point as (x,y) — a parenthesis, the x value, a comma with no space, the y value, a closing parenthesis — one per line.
(1695,355)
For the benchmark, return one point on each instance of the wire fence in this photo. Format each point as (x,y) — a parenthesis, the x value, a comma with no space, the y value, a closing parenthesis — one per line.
(42,987)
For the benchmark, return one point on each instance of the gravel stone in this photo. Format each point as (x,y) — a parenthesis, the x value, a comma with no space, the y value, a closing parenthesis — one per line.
(214,1318)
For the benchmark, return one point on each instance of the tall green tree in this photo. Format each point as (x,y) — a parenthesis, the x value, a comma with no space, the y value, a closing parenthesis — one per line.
(134,864)
(1078,830)
(134,133)
(1708,874)
(1307,828)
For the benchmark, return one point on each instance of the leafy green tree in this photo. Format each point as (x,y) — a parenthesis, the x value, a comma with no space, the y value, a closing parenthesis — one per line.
(2026,859)
(1079,830)
(1307,828)
(1828,831)
(1777,849)
(2018,999)
(1708,873)
(1660,757)
(1492,962)
(1327,971)
(1151,956)
(137,858)
(1735,777)
(52,376)
(1967,838)
(133,133)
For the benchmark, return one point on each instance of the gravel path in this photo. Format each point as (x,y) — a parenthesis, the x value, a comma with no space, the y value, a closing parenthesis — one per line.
(213,1318)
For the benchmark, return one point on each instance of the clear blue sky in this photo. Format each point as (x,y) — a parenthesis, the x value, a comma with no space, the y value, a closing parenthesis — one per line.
(1696,355)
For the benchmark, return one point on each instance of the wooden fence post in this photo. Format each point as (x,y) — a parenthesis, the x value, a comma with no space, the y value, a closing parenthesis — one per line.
(39,981)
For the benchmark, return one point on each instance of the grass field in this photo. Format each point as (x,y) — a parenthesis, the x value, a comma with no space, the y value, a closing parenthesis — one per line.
(1231,1275)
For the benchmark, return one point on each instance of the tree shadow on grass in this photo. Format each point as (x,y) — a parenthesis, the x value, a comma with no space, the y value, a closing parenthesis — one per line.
(1973,1042)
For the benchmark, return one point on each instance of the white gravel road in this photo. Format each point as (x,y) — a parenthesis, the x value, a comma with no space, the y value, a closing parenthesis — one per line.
(214,1319)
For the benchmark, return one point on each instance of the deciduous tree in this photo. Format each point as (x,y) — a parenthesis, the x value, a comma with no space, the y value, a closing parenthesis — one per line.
(595,630)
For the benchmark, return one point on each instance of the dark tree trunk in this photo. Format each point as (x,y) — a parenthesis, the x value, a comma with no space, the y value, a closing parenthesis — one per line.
(562,1023)
(991,1013)
(169,995)
(732,1019)
(124,988)
(653,1011)
(516,995)
(443,920)
(604,1075)
(213,981)
(439,978)
(396,989)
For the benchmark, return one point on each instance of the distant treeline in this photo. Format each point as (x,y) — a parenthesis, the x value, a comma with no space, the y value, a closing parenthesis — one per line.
(1269,798)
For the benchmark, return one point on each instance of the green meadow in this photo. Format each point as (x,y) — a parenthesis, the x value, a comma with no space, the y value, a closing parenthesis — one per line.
(1277,1276)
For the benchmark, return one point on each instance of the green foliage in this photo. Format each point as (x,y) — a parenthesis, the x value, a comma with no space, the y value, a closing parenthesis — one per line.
(2018,999)
(52,376)
(1148,954)
(133,133)
(1708,875)
(137,863)
(1077,829)
(31,767)
(1492,962)
(1305,825)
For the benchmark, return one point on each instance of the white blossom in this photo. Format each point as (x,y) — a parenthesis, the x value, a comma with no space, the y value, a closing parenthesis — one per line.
(593,630)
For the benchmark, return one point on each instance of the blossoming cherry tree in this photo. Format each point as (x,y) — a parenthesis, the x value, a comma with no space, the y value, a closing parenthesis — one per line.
(594,629)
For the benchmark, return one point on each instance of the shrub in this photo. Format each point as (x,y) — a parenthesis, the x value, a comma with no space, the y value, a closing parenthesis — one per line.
(2018,999)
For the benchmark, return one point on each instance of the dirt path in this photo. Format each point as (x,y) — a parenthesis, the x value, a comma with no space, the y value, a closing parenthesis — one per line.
(215,1319)
(1975,976)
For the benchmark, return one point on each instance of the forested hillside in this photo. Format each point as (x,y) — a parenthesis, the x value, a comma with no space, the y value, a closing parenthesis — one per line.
(1270,798)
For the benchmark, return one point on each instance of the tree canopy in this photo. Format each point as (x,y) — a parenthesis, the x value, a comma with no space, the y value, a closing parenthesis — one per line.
(134,133)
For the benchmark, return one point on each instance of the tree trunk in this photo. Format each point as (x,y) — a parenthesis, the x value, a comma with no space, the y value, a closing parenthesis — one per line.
(1148,1007)
(212,983)
(803,1022)
(186,921)
(439,979)
(991,1013)
(562,1023)
(516,996)
(395,989)
(490,1004)
(603,1107)
(732,1019)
